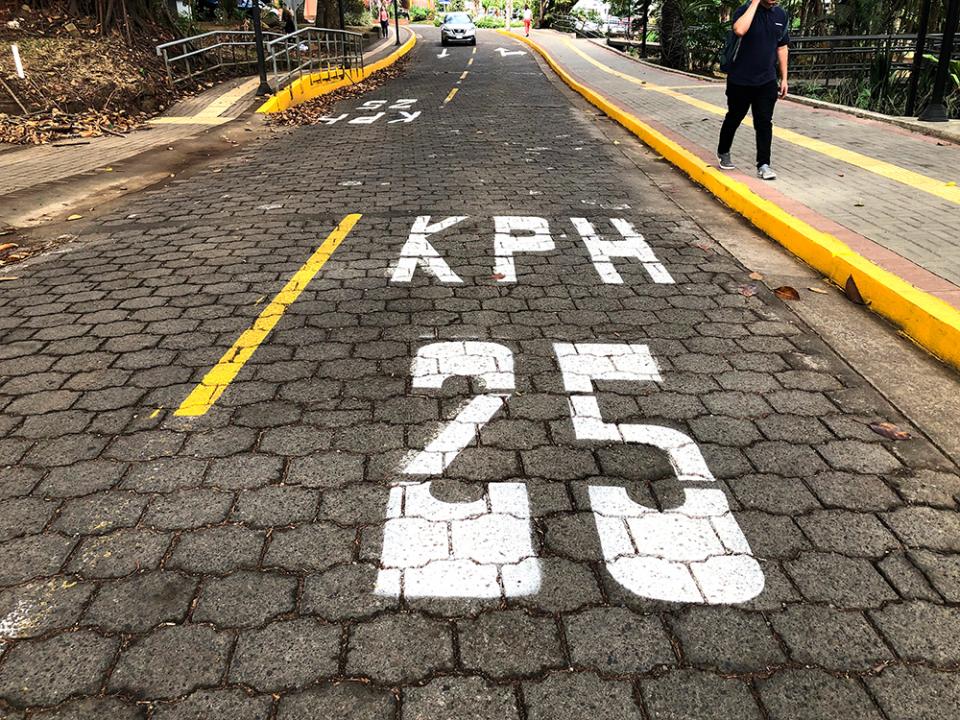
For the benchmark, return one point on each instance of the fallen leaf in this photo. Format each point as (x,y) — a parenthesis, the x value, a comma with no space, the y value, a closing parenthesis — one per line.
(8,246)
(818,291)
(785,292)
(852,292)
(74,217)
(497,276)
(747,290)
(890,431)
(756,276)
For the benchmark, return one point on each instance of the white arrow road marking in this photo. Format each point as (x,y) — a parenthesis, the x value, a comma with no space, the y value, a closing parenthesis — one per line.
(443,54)
(504,52)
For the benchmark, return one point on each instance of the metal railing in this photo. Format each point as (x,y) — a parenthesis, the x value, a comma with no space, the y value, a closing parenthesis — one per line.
(217,52)
(335,53)
(831,58)
(574,24)
(288,57)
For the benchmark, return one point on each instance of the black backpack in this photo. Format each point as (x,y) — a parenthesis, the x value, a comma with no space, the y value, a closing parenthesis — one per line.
(731,49)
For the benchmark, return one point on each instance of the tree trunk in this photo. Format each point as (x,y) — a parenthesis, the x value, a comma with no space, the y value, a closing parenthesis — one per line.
(673,50)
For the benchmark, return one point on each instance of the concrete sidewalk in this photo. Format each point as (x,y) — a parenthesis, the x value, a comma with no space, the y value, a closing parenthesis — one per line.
(888,193)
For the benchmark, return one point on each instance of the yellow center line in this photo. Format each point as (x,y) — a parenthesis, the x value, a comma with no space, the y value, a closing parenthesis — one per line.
(930,185)
(450,96)
(464,75)
(470,62)
(204,395)
(473,52)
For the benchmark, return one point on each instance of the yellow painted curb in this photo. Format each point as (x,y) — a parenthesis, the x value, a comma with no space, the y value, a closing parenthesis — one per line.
(317,84)
(931,322)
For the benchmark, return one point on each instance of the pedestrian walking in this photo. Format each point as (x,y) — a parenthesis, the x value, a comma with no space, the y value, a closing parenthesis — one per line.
(760,46)
(384,20)
(527,19)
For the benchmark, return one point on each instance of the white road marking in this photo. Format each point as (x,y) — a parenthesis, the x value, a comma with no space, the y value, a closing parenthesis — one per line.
(443,54)
(505,243)
(479,549)
(633,245)
(504,52)
(366,119)
(693,553)
(405,117)
(417,250)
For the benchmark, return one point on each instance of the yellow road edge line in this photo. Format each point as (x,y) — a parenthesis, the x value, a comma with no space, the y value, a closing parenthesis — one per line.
(216,381)
(928,320)
(450,95)
(915,180)
(317,84)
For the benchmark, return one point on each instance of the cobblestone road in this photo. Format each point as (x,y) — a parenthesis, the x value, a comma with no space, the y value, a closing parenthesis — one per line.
(282,555)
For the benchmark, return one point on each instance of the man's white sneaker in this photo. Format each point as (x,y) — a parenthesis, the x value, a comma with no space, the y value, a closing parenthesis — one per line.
(765,172)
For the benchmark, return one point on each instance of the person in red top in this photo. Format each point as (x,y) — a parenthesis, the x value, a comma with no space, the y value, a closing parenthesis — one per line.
(384,20)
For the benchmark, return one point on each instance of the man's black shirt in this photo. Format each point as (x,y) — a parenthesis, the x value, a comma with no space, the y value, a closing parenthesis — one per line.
(756,63)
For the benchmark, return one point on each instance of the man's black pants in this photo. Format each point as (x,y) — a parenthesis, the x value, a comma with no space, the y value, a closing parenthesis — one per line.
(741,98)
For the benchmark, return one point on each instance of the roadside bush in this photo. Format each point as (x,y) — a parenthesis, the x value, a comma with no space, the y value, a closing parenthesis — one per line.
(420,14)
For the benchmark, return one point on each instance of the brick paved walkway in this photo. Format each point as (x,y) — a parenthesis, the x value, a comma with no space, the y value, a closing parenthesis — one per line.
(280,556)
(908,225)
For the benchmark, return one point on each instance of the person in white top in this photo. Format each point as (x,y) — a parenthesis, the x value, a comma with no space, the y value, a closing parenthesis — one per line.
(527,19)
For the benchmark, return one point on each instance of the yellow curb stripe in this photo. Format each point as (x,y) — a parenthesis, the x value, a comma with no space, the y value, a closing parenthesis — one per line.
(317,84)
(450,95)
(188,120)
(929,321)
(204,395)
(916,180)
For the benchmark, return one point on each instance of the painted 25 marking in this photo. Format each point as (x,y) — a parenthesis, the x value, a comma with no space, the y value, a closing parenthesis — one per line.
(694,553)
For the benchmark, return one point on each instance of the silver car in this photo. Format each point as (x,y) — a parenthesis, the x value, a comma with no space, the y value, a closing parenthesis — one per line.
(458,27)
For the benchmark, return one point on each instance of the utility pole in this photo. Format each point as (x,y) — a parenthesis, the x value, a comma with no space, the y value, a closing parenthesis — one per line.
(936,110)
(643,39)
(343,25)
(509,14)
(264,88)
(396,20)
(918,58)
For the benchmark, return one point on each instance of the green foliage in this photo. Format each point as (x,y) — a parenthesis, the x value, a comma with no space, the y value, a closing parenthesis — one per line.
(456,6)
(420,14)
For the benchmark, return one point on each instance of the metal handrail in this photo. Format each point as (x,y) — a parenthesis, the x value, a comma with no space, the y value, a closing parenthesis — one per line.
(191,57)
(336,53)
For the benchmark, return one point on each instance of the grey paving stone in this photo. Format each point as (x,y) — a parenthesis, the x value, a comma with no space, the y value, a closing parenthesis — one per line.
(572,535)
(311,548)
(845,582)
(244,471)
(325,470)
(860,457)
(695,694)
(772,536)
(906,579)
(921,631)
(142,601)
(217,550)
(245,599)
(33,556)
(99,513)
(118,553)
(172,661)
(787,459)
(924,527)
(579,696)
(344,592)
(829,638)
(285,654)
(39,607)
(189,508)
(488,644)
(359,504)
(815,695)
(726,639)
(164,475)
(849,533)
(276,506)
(81,478)
(453,698)
(214,704)
(565,586)
(852,492)
(773,494)
(358,701)
(48,671)
(93,709)
(940,489)
(942,570)
(617,641)
(400,648)
(915,693)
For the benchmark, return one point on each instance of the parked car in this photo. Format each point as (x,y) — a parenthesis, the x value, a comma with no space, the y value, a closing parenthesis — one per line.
(616,27)
(458,27)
